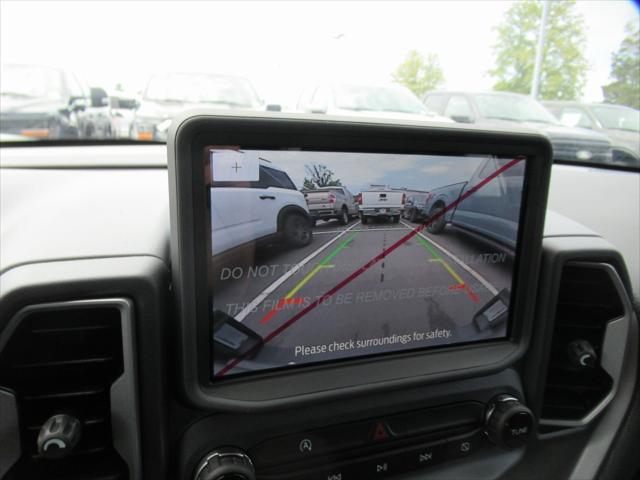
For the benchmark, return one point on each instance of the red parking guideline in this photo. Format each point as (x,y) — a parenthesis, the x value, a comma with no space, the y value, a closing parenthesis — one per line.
(232,363)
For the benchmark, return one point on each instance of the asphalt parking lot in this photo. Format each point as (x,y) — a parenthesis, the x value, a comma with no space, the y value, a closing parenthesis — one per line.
(424,293)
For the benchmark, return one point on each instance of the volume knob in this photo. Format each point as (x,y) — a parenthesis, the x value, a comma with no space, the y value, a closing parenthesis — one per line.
(509,423)
(225,464)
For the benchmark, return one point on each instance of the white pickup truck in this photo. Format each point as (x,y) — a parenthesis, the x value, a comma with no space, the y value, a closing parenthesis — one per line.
(382,203)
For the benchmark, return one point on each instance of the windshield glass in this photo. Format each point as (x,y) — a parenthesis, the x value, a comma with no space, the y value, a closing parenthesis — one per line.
(618,118)
(31,82)
(127,69)
(377,99)
(511,107)
(196,88)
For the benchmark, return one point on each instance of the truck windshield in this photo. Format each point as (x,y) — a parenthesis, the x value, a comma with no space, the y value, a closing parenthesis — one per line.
(514,108)
(30,82)
(618,118)
(188,88)
(377,99)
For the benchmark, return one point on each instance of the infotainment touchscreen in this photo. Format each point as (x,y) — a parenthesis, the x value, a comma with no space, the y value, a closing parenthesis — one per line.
(318,257)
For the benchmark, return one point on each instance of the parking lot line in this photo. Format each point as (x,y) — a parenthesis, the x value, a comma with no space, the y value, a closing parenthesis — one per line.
(359,230)
(271,288)
(324,263)
(476,275)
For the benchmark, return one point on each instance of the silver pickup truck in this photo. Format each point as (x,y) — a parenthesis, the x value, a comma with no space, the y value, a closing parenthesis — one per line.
(491,212)
(327,203)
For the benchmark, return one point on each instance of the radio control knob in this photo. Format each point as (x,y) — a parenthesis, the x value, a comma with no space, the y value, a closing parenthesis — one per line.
(509,423)
(225,464)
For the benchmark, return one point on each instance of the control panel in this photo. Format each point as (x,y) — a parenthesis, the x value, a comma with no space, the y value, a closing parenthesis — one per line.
(377,447)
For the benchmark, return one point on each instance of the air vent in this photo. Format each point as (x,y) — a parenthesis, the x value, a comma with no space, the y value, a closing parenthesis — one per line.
(589,313)
(65,360)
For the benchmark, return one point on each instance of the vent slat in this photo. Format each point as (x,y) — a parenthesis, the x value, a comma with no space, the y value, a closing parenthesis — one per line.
(65,361)
(587,301)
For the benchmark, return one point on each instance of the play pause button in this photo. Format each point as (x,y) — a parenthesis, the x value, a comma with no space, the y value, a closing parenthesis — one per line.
(379,467)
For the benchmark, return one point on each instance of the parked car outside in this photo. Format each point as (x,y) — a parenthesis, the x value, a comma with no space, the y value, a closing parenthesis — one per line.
(170,93)
(502,109)
(43,102)
(381,203)
(122,107)
(270,208)
(328,203)
(491,212)
(380,101)
(621,124)
(414,206)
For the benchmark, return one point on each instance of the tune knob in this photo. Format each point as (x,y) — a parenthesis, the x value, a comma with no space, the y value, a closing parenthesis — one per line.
(509,423)
(225,464)
(58,436)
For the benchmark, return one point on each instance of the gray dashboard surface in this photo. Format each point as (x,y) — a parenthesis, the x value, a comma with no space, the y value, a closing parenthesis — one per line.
(62,214)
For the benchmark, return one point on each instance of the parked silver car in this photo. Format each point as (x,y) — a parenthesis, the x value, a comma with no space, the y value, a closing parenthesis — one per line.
(502,109)
(327,203)
(380,101)
(621,124)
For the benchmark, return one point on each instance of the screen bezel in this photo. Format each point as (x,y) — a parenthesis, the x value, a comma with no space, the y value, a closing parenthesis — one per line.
(277,388)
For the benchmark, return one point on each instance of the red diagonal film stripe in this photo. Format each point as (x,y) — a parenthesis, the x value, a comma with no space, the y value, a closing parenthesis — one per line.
(231,364)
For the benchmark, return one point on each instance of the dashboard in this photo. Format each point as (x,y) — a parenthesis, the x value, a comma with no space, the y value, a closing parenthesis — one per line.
(110,367)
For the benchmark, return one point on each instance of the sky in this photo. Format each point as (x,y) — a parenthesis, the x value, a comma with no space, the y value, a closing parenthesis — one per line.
(357,171)
(280,46)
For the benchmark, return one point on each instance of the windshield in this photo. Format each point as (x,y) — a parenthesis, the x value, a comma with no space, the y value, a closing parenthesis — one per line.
(514,108)
(618,118)
(31,82)
(377,99)
(196,88)
(378,59)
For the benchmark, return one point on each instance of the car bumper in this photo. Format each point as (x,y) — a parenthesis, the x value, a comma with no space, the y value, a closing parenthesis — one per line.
(380,212)
(320,214)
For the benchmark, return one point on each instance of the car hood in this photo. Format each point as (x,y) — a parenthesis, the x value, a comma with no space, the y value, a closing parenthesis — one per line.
(394,116)
(18,105)
(622,138)
(164,110)
(557,132)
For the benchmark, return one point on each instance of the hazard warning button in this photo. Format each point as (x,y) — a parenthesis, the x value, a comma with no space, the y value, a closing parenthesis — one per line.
(380,432)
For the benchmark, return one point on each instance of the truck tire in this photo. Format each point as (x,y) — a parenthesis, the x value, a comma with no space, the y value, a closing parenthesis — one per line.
(296,230)
(436,226)
(364,219)
(314,221)
(396,219)
(413,218)
(344,216)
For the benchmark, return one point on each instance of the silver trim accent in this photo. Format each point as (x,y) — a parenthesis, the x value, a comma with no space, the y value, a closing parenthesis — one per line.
(10,450)
(124,394)
(217,453)
(613,348)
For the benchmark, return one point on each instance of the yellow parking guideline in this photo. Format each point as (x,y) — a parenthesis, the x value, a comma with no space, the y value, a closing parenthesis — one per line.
(322,264)
(438,258)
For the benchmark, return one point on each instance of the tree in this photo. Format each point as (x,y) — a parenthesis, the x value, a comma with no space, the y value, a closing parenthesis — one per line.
(308,184)
(320,176)
(624,88)
(419,73)
(564,66)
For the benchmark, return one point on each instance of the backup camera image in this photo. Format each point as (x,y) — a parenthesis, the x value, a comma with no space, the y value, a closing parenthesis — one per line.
(325,256)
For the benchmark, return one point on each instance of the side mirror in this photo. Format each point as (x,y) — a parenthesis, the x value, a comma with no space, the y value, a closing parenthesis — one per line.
(273,107)
(78,104)
(99,97)
(317,109)
(462,118)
